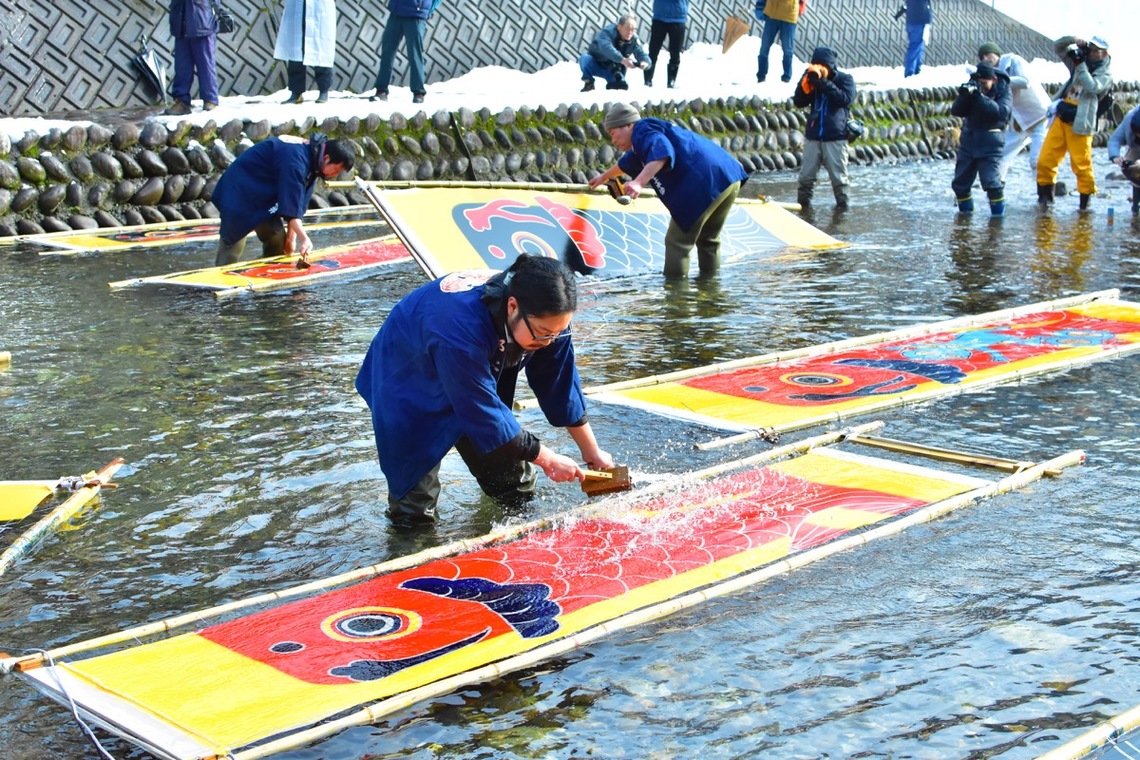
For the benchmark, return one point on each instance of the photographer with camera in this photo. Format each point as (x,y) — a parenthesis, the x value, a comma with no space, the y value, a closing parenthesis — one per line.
(984,103)
(1126,139)
(1075,122)
(1030,107)
(829,92)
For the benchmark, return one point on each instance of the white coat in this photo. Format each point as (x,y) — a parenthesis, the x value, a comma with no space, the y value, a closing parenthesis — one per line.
(318,48)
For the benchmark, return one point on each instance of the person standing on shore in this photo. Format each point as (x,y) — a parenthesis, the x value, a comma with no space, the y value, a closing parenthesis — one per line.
(695,178)
(614,49)
(919,16)
(307,37)
(407,19)
(669,20)
(195,31)
(779,18)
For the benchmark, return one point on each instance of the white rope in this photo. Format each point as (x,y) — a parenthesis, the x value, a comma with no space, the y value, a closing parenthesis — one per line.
(90,734)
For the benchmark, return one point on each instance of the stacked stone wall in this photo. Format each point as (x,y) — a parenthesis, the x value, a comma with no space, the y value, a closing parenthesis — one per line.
(99,176)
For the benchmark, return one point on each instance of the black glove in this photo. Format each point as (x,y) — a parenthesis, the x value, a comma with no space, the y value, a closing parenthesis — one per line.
(967,88)
(900,12)
(813,76)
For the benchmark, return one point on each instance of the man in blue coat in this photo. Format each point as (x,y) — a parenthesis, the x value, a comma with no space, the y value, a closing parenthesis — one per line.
(695,178)
(985,104)
(195,32)
(407,20)
(441,373)
(919,16)
(267,190)
(830,93)
(613,50)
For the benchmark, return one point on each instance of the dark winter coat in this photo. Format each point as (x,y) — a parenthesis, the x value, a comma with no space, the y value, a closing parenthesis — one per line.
(985,115)
(830,100)
(919,12)
(192,18)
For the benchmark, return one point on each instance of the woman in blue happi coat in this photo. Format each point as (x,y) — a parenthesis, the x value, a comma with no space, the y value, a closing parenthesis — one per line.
(441,373)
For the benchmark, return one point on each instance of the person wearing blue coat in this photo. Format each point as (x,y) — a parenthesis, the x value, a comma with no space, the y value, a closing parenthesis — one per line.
(407,20)
(985,105)
(695,178)
(1124,151)
(195,31)
(829,92)
(919,16)
(669,20)
(614,49)
(267,190)
(441,373)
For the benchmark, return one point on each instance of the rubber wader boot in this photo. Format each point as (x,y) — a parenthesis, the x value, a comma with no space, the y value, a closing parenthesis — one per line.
(1045,195)
(803,197)
(1085,201)
(966,205)
(997,208)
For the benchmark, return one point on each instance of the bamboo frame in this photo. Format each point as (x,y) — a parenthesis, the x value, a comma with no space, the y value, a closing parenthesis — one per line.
(58,516)
(374,712)
(456,547)
(948,455)
(1098,736)
(550,187)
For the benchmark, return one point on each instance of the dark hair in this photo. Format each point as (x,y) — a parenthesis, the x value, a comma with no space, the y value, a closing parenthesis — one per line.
(340,152)
(542,286)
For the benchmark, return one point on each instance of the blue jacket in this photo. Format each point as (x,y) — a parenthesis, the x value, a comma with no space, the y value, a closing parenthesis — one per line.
(608,48)
(275,177)
(985,117)
(1125,138)
(919,12)
(412,8)
(671,11)
(830,100)
(192,18)
(442,366)
(698,170)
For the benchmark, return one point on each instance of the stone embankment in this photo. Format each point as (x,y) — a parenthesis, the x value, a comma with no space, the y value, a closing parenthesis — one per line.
(95,176)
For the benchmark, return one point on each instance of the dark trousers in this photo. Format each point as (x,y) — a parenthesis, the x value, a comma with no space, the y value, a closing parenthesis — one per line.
(296,71)
(270,233)
(190,54)
(979,156)
(411,30)
(675,32)
(505,479)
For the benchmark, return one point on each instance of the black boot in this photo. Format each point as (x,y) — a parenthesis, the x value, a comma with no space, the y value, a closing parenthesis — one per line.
(803,197)
(1136,200)
(1085,201)
(1045,195)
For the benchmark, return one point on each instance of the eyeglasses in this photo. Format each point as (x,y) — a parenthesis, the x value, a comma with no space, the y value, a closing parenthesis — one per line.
(543,338)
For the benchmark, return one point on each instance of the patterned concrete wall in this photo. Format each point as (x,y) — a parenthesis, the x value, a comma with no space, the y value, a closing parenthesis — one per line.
(66,55)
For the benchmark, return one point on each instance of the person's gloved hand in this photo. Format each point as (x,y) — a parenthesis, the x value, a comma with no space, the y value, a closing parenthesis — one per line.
(813,75)
(967,88)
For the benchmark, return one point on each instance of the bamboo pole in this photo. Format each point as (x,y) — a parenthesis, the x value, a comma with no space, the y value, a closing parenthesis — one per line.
(824,349)
(374,712)
(1102,734)
(937,392)
(5,357)
(949,455)
(550,187)
(58,516)
(456,547)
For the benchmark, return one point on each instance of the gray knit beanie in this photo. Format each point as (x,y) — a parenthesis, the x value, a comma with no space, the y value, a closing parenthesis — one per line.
(620,114)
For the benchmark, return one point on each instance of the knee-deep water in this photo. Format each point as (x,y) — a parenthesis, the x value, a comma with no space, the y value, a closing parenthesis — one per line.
(998,631)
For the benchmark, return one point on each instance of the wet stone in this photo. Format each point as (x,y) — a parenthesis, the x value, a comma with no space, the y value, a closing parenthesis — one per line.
(188,211)
(31,170)
(24,199)
(131,167)
(5,201)
(153,134)
(151,164)
(51,224)
(198,161)
(175,161)
(28,227)
(430,143)
(231,130)
(133,218)
(107,220)
(221,156)
(173,188)
(79,222)
(397,122)
(126,136)
(350,126)
(81,168)
(506,117)
(25,143)
(170,213)
(259,130)
(150,192)
(73,195)
(411,145)
(425,171)
(74,139)
(404,171)
(152,215)
(98,194)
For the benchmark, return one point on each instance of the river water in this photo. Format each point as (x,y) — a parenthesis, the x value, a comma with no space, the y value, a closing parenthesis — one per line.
(998,631)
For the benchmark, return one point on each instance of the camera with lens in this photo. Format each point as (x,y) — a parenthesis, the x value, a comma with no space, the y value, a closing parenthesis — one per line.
(968,88)
(1077,53)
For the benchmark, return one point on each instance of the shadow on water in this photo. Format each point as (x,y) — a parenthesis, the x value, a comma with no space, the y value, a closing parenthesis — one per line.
(993,633)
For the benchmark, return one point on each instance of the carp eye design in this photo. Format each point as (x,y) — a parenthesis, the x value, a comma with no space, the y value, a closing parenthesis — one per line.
(371,624)
(814,379)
